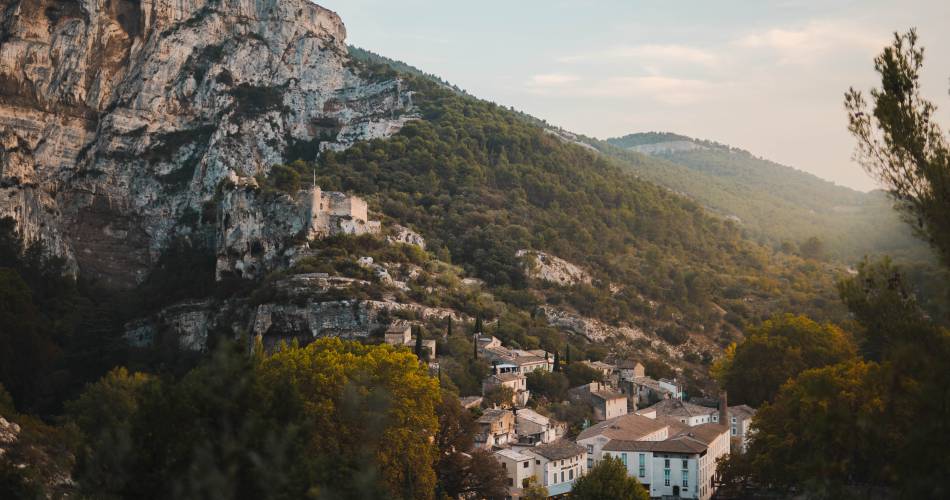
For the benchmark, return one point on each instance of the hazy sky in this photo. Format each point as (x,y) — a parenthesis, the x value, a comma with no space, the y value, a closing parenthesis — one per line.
(767,76)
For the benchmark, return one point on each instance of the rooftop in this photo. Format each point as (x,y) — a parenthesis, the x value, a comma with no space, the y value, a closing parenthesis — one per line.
(507,377)
(680,409)
(513,455)
(629,427)
(744,411)
(669,446)
(492,415)
(558,450)
(533,416)
(704,433)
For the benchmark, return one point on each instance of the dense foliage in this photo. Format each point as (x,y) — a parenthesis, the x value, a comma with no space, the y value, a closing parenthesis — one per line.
(286,425)
(863,427)
(777,351)
(481,183)
(609,479)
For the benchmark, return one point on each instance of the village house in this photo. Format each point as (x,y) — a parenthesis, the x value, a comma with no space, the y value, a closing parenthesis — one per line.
(687,413)
(683,466)
(740,420)
(647,391)
(470,402)
(630,427)
(518,467)
(606,402)
(557,465)
(400,334)
(515,381)
(533,428)
(607,370)
(496,428)
(514,360)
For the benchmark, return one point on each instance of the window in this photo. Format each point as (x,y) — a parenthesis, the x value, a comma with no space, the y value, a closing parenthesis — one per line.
(685,476)
(525,465)
(685,464)
(666,477)
(504,466)
(623,458)
(590,463)
(562,476)
(570,474)
(734,431)
(590,448)
(643,459)
(666,463)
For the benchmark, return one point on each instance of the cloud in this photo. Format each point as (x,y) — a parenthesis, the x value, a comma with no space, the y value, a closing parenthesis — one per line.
(552,80)
(648,52)
(655,87)
(812,41)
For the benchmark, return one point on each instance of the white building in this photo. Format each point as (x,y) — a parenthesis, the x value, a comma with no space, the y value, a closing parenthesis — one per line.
(554,465)
(519,467)
(683,466)
(625,428)
(687,413)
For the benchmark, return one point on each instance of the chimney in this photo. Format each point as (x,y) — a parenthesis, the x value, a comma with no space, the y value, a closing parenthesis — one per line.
(723,409)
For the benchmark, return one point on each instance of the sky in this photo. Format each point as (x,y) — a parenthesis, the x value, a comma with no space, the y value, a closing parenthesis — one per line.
(767,76)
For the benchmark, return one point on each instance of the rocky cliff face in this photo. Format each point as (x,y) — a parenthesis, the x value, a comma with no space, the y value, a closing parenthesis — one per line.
(120,120)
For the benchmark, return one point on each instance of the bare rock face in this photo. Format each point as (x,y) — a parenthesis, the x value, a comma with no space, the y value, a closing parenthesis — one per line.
(120,120)
(547,267)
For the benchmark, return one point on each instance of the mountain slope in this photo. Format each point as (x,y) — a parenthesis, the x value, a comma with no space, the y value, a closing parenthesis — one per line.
(171,164)
(120,120)
(775,203)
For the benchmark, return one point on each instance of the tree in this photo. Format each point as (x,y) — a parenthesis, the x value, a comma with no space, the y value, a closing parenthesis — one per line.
(608,479)
(812,248)
(532,490)
(901,145)
(580,374)
(499,395)
(557,362)
(448,328)
(838,418)
(567,354)
(550,385)
(478,325)
(776,351)
(418,349)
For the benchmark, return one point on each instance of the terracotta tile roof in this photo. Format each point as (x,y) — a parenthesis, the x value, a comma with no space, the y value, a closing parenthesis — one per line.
(492,415)
(558,450)
(629,427)
(682,409)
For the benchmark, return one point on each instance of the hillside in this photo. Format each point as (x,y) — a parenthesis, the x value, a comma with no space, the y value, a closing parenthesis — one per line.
(776,204)
(179,192)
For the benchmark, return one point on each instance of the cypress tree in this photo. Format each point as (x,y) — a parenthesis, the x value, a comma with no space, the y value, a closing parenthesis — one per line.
(557,361)
(418,349)
(478,324)
(448,331)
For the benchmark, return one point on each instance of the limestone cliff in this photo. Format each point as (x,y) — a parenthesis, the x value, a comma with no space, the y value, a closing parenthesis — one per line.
(121,120)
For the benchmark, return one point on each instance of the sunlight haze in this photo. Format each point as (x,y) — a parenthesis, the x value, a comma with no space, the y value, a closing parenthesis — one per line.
(764,76)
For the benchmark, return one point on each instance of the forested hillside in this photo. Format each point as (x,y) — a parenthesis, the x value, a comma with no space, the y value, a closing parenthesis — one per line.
(776,204)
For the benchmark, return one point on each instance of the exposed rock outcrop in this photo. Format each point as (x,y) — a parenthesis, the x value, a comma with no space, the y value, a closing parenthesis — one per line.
(589,328)
(546,267)
(121,121)
(301,309)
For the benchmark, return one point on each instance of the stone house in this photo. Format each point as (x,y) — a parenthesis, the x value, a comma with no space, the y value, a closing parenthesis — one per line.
(517,382)
(496,428)
(533,428)
(606,402)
